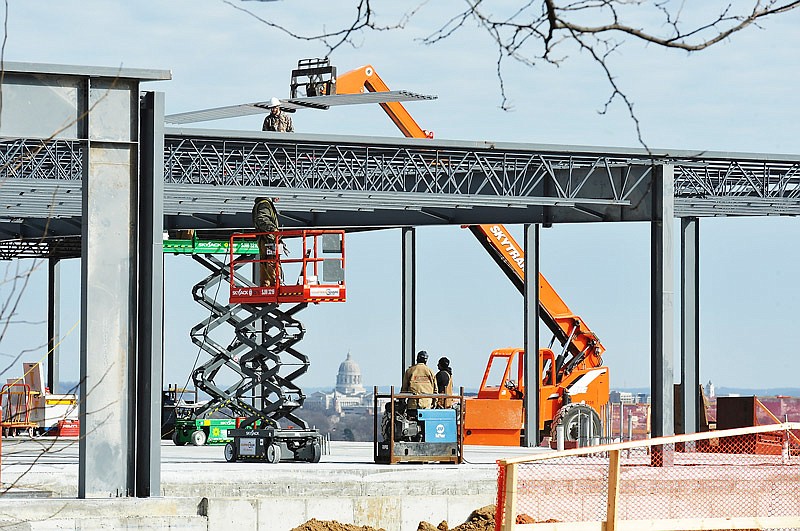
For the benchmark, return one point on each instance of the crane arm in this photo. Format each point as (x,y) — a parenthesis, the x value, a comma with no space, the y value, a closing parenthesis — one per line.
(366,78)
(570,330)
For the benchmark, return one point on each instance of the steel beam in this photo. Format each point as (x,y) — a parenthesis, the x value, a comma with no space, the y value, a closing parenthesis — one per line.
(661,302)
(409,296)
(150,296)
(53,323)
(532,370)
(109,122)
(690,325)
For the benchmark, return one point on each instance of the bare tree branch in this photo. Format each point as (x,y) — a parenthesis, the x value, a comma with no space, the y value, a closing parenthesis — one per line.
(536,31)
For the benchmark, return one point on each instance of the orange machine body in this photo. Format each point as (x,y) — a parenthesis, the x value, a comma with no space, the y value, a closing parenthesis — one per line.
(495,416)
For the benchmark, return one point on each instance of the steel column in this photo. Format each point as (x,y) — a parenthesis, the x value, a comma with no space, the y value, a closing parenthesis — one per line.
(690,324)
(532,370)
(409,288)
(109,120)
(661,302)
(53,322)
(151,297)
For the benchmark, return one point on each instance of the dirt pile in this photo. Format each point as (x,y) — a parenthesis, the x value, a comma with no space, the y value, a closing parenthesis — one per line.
(479,520)
(329,525)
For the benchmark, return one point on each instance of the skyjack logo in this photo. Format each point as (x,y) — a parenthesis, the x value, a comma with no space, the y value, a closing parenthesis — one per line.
(504,240)
(439,431)
(242,291)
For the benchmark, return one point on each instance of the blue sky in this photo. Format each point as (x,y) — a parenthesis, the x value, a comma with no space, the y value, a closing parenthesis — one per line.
(738,96)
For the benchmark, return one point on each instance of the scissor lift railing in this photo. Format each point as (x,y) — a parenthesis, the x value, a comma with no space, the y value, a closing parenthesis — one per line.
(319,270)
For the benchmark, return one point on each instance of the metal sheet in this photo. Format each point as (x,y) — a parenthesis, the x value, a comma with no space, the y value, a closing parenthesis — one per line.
(292,104)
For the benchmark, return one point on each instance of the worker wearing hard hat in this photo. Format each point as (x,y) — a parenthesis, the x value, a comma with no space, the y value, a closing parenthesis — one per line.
(444,382)
(265,220)
(419,380)
(277,120)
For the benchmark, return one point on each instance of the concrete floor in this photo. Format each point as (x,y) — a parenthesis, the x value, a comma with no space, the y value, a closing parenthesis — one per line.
(346,486)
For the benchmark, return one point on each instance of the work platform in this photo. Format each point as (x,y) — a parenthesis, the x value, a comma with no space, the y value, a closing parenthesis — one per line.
(345,486)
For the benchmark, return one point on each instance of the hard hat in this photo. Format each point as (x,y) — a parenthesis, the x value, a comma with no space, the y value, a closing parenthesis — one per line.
(273,102)
(422,356)
(444,363)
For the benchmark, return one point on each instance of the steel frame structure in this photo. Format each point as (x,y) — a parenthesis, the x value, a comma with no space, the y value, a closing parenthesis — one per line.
(327,181)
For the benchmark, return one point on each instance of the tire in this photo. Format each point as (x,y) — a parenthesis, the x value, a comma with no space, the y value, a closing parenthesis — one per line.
(273,453)
(572,417)
(230,453)
(316,452)
(176,441)
(199,437)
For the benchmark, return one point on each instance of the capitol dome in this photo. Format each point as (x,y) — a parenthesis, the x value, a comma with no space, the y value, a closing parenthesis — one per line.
(348,381)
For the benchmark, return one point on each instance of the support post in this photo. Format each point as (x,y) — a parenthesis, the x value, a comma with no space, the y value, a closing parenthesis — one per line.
(613,490)
(109,116)
(532,370)
(53,322)
(151,298)
(662,303)
(690,324)
(409,288)
(510,509)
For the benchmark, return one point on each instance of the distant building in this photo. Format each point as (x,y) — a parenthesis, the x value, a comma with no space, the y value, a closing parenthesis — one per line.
(348,381)
(620,397)
(349,396)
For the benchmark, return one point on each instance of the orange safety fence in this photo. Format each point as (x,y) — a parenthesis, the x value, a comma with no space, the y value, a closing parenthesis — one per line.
(744,478)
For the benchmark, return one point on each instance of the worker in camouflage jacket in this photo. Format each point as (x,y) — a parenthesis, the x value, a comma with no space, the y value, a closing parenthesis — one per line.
(265,219)
(277,120)
(419,380)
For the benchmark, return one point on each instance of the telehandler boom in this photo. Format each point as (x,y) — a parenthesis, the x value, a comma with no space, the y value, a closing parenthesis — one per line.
(574,383)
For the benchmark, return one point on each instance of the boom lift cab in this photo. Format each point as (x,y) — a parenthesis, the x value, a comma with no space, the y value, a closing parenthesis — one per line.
(495,416)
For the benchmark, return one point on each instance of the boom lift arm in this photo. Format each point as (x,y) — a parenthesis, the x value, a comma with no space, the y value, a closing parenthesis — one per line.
(317,77)
(581,344)
(366,78)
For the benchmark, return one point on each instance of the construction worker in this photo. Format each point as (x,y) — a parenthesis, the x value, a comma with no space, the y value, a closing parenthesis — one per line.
(444,382)
(277,120)
(419,380)
(265,219)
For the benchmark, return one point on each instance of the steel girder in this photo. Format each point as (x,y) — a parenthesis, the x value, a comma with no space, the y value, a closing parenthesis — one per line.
(212,176)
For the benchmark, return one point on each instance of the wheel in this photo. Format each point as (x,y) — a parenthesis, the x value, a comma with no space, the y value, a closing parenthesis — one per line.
(176,441)
(198,437)
(576,418)
(230,453)
(273,453)
(316,452)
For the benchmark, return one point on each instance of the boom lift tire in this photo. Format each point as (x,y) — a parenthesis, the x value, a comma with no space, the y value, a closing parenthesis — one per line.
(199,437)
(274,453)
(230,453)
(571,416)
(176,441)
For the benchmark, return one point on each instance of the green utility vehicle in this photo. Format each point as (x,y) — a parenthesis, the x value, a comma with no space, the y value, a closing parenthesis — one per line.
(202,431)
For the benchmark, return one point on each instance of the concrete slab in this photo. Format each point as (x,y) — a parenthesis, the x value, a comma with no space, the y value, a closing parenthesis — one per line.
(346,486)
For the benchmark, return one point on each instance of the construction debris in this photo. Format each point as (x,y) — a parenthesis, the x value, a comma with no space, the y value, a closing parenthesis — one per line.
(482,519)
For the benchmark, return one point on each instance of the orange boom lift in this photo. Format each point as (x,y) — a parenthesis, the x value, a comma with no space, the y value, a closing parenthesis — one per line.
(574,383)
